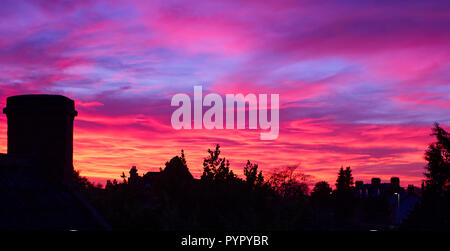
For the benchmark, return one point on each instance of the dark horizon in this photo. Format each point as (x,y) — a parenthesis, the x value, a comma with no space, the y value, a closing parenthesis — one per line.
(361,82)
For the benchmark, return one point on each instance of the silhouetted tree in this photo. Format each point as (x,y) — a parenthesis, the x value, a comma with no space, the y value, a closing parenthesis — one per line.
(252,177)
(434,211)
(289,183)
(436,197)
(438,158)
(260,179)
(109,185)
(134,176)
(344,199)
(83,183)
(124,177)
(321,190)
(216,168)
(321,204)
(344,182)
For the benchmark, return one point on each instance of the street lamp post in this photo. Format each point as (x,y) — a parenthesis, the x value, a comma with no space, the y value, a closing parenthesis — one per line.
(397,210)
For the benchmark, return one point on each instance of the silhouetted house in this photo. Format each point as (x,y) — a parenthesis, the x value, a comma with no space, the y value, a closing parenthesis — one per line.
(151,177)
(401,202)
(376,188)
(36,187)
(175,172)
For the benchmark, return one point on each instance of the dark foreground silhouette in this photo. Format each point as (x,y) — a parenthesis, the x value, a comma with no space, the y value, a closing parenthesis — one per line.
(173,200)
(39,189)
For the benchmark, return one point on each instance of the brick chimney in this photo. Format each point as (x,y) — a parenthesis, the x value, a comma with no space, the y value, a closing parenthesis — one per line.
(40,127)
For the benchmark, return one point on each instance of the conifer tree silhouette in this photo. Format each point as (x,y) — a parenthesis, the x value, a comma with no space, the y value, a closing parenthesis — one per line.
(438,157)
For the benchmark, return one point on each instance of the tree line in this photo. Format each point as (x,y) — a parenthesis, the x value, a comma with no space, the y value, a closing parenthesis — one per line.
(172,199)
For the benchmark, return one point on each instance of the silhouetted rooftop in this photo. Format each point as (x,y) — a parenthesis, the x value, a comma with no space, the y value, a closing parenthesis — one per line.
(29,202)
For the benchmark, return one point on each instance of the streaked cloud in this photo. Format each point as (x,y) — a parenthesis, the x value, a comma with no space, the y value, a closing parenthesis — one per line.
(360,82)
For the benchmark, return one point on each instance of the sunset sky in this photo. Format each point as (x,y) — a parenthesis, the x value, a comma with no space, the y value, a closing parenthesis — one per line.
(360,82)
